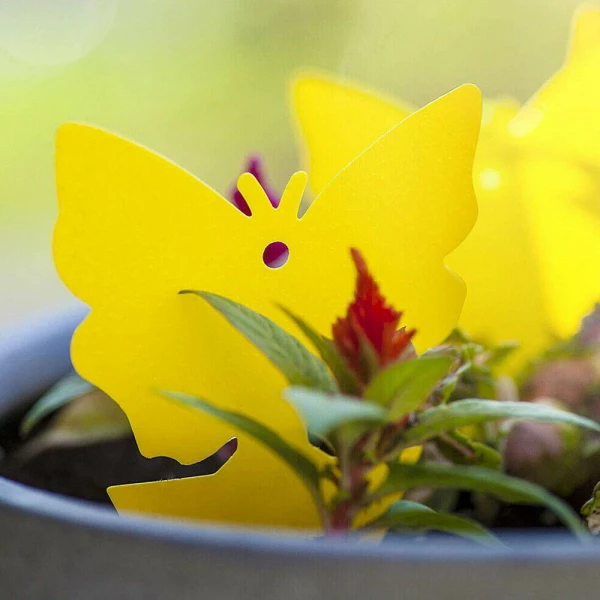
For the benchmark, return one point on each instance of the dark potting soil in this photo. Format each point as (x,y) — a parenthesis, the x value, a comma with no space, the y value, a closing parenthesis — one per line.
(86,471)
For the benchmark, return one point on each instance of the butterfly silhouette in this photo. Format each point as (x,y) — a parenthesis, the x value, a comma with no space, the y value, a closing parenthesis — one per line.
(135,229)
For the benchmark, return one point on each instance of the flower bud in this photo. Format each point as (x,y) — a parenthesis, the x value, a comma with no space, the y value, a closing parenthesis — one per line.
(368,337)
(566,379)
(548,454)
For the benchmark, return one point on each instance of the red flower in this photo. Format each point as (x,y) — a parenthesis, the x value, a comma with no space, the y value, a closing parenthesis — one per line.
(254,165)
(368,337)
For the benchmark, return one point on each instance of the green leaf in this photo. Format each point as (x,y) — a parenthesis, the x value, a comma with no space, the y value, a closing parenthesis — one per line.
(344,376)
(67,389)
(403,477)
(448,384)
(406,385)
(469,412)
(301,465)
(593,504)
(486,456)
(413,516)
(324,413)
(591,511)
(299,366)
(496,355)
(87,419)
(462,450)
(458,336)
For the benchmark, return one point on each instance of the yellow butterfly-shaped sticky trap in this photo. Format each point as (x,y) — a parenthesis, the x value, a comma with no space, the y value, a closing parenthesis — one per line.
(134,229)
(563,122)
(532,262)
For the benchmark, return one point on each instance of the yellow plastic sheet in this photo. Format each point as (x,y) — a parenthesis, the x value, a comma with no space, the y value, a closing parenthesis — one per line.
(134,229)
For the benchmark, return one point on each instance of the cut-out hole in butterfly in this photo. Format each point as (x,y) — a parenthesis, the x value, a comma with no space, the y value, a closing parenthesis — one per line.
(276,255)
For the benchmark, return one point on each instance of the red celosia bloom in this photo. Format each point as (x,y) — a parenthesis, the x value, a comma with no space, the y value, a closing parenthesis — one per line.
(369,332)
(254,165)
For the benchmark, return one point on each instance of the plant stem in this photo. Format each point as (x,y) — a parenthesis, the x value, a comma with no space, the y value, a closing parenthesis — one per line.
(352,487)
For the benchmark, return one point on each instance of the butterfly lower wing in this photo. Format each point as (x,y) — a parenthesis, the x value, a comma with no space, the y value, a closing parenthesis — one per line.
(250,489)
(253,488)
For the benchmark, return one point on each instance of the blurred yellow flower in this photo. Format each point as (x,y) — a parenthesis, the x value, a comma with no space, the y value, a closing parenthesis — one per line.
(134,229)
(532,262)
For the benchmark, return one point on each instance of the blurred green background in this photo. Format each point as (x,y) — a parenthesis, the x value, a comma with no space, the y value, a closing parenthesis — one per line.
(205,82)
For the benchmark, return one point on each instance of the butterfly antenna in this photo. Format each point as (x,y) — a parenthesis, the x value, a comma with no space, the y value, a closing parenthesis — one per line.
(292,195)
(256,197)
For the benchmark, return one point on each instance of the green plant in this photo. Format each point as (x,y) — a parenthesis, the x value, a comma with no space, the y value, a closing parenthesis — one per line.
(370,404)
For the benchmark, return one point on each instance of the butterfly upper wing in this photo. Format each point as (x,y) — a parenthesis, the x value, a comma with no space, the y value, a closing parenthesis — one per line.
(125,211)
(405,202)
(563,117)
(338,122)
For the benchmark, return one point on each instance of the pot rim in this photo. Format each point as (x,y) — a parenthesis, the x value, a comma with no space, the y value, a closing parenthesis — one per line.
(44,341)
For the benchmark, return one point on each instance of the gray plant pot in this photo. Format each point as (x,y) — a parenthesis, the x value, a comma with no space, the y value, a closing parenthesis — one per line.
(56,548)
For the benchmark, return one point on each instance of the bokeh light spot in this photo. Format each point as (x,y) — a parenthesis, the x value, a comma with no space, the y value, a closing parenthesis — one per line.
(490,179)
(56,32)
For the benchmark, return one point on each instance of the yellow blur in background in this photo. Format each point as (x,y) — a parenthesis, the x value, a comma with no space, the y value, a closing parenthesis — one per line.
(206,82)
